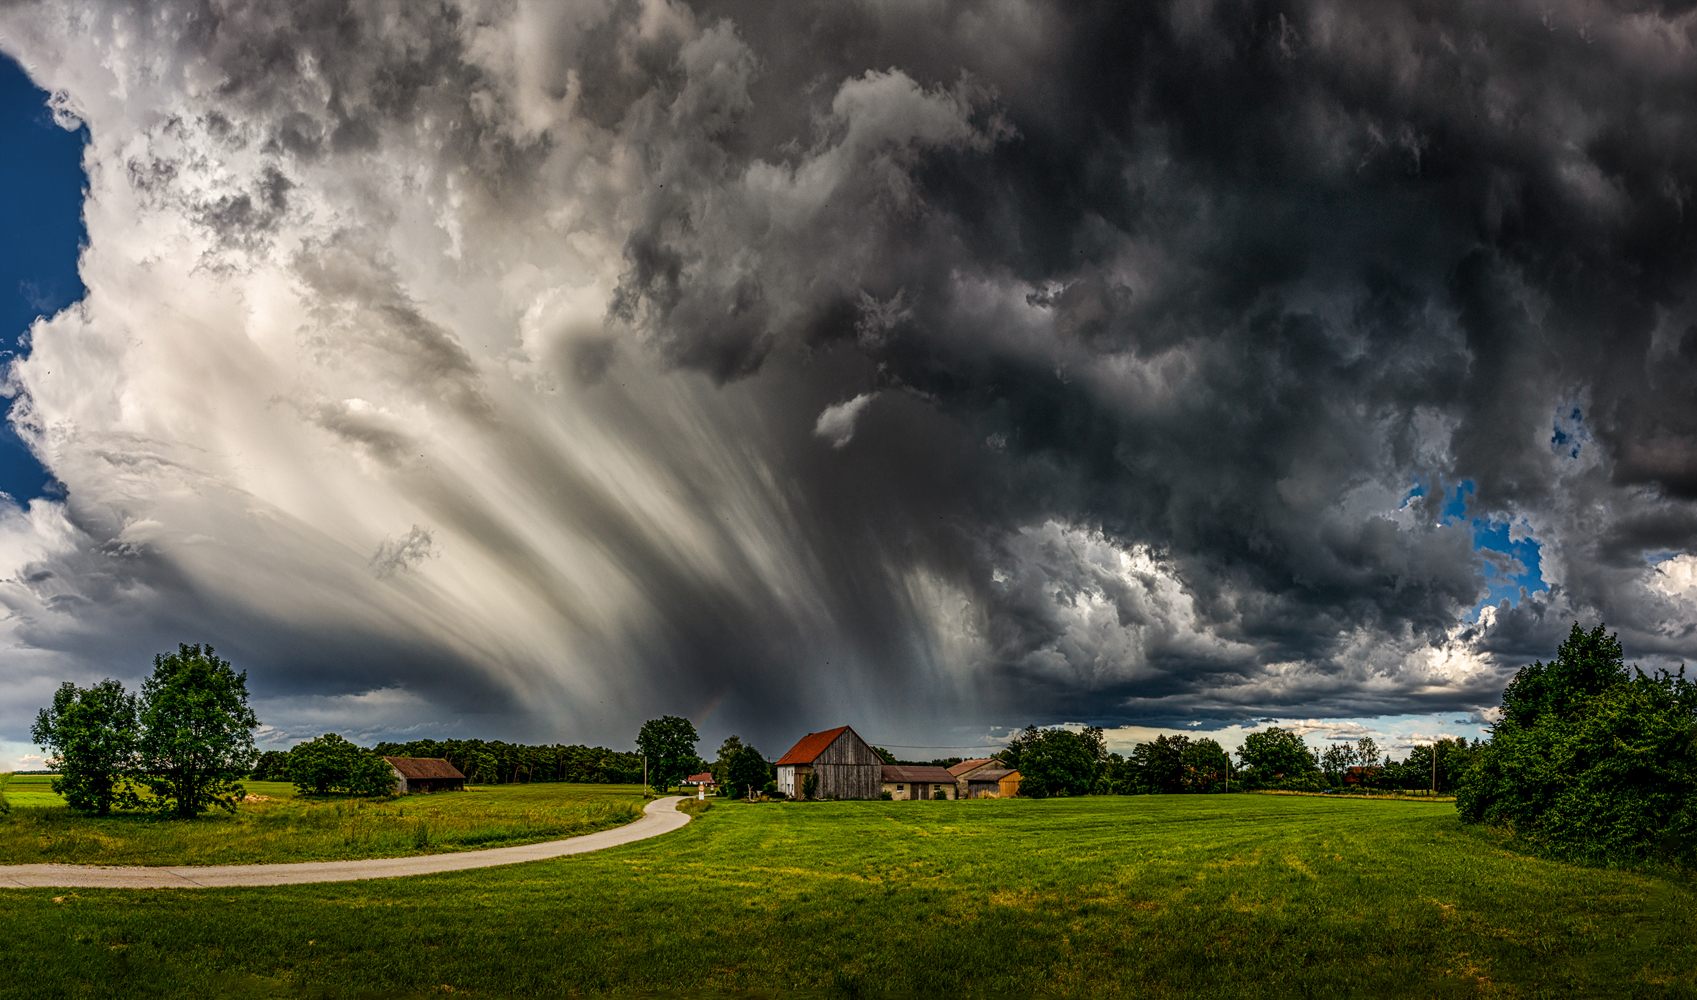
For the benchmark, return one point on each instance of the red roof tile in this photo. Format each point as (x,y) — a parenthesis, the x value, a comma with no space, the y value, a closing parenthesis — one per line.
(704,778)
(809,747)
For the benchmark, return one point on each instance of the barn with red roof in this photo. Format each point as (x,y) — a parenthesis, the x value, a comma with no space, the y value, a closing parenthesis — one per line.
(840,764)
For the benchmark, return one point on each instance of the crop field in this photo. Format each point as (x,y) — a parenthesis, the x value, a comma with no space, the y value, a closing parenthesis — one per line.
(1177,896)
(286,827)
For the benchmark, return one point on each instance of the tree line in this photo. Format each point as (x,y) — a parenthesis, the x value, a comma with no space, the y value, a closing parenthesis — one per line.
(491,762)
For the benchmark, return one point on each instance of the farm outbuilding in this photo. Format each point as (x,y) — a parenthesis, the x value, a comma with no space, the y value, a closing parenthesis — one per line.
(964,771)
(425,774)
(915,782)
(992,783)
(841,764)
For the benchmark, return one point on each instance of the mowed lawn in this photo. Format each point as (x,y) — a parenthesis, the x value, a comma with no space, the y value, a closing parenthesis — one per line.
(1149,897)
(293,828)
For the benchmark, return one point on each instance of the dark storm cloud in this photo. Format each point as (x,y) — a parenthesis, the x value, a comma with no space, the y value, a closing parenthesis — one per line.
(1101,362)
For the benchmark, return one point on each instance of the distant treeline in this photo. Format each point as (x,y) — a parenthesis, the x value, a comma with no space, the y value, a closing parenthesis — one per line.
(494,762)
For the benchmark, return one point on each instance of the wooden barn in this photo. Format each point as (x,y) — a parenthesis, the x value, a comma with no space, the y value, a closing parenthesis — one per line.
(840,762)
(911,782)
(992,783)
(966,768)
(425,774)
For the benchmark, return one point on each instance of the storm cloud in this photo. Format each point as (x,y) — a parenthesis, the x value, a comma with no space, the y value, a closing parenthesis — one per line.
(550,366)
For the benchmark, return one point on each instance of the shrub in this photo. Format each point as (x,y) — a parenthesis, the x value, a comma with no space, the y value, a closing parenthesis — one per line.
(1591,760)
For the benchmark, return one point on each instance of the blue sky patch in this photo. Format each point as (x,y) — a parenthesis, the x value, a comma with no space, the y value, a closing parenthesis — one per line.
(41,234)
(1510,564)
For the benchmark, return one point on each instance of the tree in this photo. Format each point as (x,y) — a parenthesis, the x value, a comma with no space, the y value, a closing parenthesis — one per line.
(1060,762)
(1204,764)
(887,756)
(1277,753)
(1590,759)
(272,765)
(330,763)
(1336,761)
(740,768)
(90,737)
(5,779)
(1366,752)
(669,744)
(1158,766)
(196,732)
(1586,665)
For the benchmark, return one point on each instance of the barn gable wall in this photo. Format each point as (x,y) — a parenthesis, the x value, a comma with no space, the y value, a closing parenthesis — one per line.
(848,769)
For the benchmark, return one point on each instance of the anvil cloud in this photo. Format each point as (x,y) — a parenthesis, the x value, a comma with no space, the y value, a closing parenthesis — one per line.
(551,366)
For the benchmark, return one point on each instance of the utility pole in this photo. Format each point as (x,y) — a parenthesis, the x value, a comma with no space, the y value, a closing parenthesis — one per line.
(645,773)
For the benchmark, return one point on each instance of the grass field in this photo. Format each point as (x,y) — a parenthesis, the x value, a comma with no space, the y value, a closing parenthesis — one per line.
(290,828)
(1177,896)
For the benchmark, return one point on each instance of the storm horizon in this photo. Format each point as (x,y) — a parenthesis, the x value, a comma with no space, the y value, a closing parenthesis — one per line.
(527,370)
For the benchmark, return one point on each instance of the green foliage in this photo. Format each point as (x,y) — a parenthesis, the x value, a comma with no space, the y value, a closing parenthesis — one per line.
(5,779)
(740,768)
(669,744)
(1586,665)
(809,785)
(1058,761)
(1173,764)
(196,738)
(1278,755)
(332,764)
(890,758)
(494,762)
(272,765)
(90,735)
(1592,761)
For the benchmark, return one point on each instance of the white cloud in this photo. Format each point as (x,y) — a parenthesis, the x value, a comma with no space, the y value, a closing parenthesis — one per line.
(836,423)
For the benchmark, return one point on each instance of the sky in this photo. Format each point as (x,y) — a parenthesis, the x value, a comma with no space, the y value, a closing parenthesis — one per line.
(526,370)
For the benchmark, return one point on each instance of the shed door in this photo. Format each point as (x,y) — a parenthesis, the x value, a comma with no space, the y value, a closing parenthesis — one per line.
(921,791)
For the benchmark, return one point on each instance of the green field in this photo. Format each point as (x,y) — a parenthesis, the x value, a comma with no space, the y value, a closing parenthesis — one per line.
(291,828)
(1176,896)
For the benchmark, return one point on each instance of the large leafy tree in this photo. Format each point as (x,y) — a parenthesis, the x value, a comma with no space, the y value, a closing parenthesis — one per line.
(1276,753)
(741,768)
(332,764)
(1058,761)
(669,744)
(1591,759)
(196,739)
(90,734)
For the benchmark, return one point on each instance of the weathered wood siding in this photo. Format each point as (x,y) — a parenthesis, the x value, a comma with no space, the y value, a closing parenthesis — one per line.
(848,769)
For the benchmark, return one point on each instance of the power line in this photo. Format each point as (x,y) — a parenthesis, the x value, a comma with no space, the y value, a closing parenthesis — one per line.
(905,746)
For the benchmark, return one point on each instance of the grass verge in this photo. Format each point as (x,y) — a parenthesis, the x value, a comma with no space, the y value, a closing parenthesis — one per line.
(1153,896)
(287,827)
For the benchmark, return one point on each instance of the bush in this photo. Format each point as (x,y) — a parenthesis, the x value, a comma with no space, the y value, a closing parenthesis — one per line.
(1591,761)
(332,764)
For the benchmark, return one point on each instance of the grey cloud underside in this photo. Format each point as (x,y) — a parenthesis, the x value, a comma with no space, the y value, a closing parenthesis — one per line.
(1166,307)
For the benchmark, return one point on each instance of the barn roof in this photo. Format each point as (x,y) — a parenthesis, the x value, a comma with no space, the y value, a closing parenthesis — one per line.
(970,765)
(991,774)
(809,747)
(413,768)
(704,778)
(918,774)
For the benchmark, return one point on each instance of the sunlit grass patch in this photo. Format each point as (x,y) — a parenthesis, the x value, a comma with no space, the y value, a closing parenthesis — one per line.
(287,827)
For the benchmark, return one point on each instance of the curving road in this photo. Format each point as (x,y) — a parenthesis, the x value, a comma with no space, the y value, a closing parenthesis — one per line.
(659,816)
